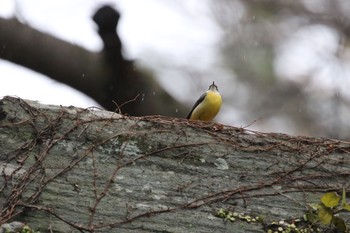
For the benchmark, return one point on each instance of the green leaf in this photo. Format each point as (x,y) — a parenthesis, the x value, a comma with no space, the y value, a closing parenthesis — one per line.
(346,206)
(311,217)
(325,214)
(339,224)
(343,200)
(330,199)
(313,206)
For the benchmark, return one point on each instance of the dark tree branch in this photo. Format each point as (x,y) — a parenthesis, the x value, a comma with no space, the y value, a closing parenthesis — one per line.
(106,76)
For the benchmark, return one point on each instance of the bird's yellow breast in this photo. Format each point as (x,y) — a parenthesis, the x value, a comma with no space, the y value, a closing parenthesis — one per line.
(208,108)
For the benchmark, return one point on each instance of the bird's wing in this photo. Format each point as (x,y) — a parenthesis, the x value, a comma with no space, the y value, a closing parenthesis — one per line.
(200,100)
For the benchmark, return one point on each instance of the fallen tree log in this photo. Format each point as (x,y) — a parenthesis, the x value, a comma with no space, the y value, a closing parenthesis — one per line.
(68,169)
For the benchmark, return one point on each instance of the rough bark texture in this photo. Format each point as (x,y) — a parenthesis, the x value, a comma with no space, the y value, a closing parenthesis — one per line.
(79,170)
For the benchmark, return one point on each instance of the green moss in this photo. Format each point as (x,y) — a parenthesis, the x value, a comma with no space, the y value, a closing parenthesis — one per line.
(27,229)
(283,226)
(233,216)
(325,212)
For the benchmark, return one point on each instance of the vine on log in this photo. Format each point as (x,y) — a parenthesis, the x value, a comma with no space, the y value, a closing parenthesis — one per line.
(88,170)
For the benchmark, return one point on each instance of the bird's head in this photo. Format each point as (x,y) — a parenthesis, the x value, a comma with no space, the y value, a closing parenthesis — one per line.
(213,87)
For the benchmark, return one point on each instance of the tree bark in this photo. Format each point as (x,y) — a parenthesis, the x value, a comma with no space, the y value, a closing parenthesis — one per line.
(80,170)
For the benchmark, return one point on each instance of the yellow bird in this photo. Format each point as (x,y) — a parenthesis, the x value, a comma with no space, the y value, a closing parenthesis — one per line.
(207,106)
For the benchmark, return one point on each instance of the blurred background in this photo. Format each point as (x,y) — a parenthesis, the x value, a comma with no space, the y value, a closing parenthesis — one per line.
(281,66)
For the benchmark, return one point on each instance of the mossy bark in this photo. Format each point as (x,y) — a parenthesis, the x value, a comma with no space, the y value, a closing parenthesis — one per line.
(83,170)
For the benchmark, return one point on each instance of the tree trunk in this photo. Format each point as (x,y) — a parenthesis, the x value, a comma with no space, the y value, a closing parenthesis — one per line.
(80,170)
